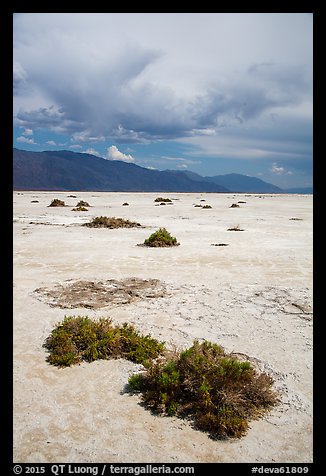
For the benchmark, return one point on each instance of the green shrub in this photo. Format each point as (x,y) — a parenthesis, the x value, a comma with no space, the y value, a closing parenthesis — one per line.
(161,238)
(111,222)
(80,338)
(57,203)
(217,391)
(136,347)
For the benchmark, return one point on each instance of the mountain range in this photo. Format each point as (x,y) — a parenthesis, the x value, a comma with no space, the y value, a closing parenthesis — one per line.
(67,170)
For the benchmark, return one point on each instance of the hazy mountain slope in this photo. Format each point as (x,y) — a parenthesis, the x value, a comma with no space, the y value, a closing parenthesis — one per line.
(243,183)
(66,170)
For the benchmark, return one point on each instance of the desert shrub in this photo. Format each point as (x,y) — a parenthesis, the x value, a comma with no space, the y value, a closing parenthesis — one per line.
(161,238)
(202,206)
(217,391)
(163,200)
(57,203)
(125,204)
(234,205)
(80,209)
(235,228)
(111,222)
(82,203)
(137,347)
(80,338)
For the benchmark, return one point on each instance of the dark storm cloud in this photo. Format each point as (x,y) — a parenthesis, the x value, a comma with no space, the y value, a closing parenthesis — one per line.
(140,78)
(105,102)
(257,90)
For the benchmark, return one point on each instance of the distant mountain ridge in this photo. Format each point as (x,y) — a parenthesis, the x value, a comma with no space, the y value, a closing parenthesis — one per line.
(67,170)
(239,183)
(244,183)
(300,190)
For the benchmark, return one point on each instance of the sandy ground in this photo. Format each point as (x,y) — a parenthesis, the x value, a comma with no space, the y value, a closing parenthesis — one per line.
(253,296)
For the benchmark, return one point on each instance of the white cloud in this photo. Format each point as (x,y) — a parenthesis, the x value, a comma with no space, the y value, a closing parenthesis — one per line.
(51,142)
(93,152)
(25,140)
(28,132)
(19,77)
(276,169)
(86,136)
(113,153)
(75,146)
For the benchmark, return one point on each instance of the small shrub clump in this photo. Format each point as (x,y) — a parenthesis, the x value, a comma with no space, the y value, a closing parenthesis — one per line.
(57,203)
(204,207)
(217,391)
(163,200)
(82,203)
(77,339)
(235,228)
(111,222)
(161,238)
(80,209)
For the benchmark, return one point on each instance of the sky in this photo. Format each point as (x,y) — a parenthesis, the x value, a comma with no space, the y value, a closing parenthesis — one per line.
(211,93)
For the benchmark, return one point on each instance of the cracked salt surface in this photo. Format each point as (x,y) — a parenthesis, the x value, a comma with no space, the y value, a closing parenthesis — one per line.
(253,297)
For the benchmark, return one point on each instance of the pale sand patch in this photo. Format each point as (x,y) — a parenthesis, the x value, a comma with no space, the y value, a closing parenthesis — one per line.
(254,297)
